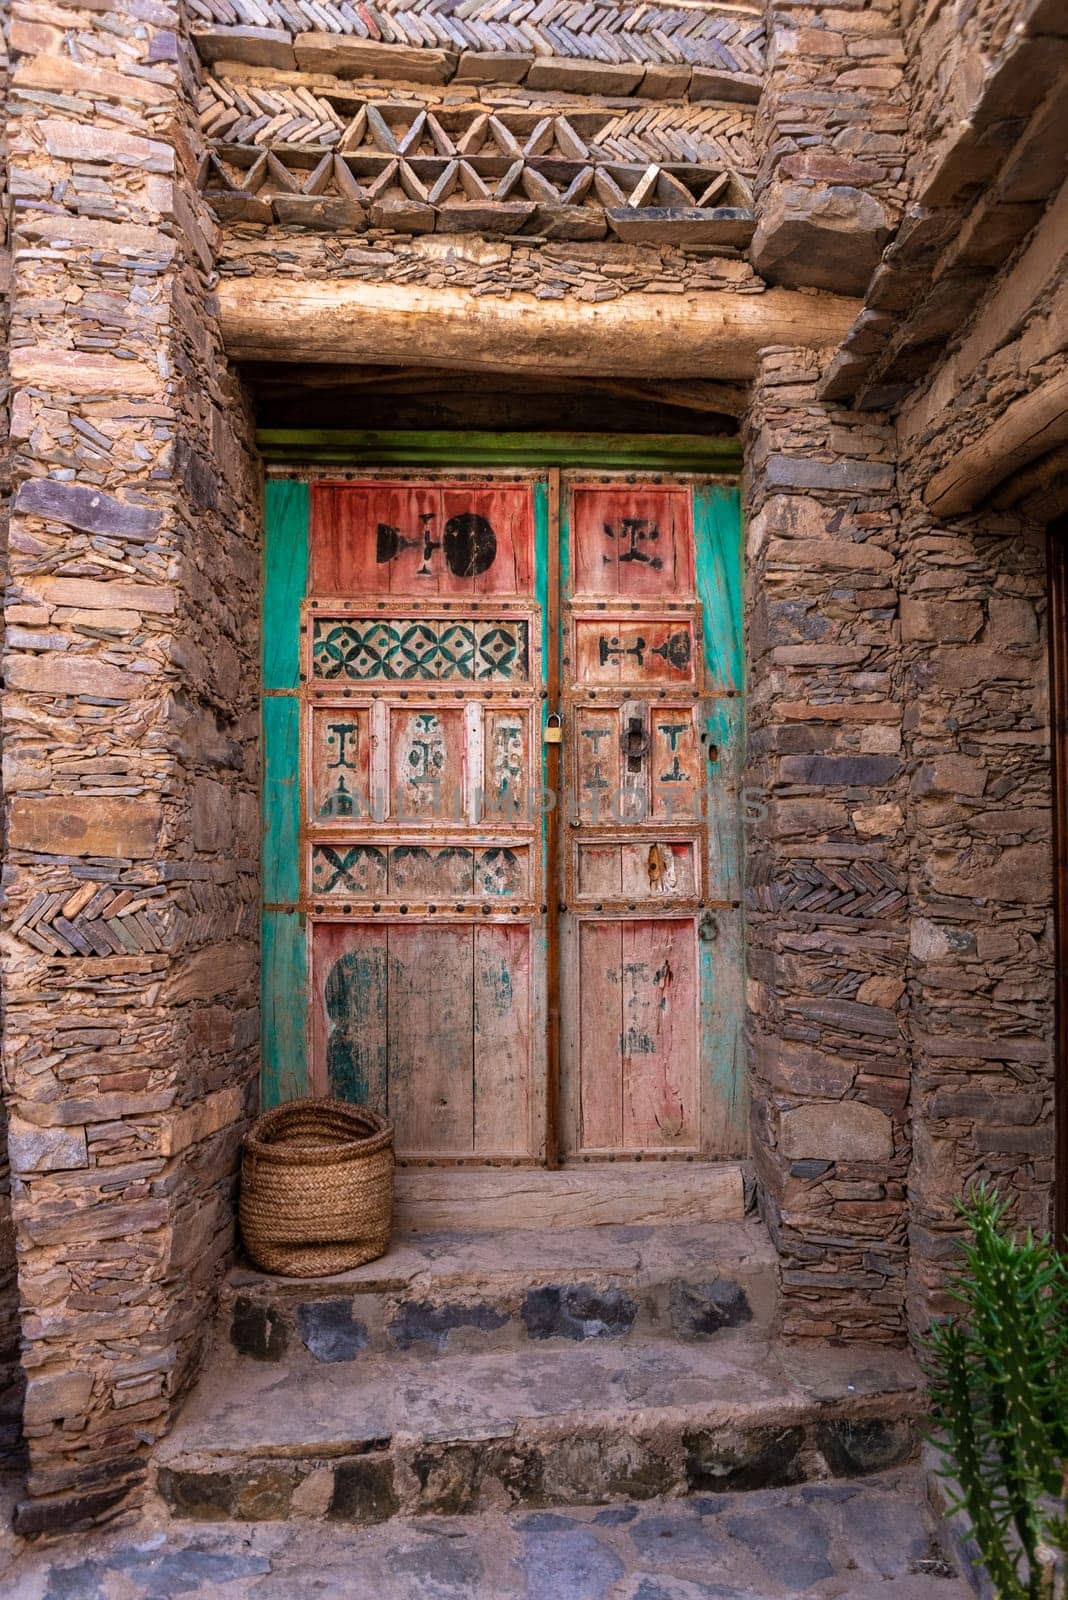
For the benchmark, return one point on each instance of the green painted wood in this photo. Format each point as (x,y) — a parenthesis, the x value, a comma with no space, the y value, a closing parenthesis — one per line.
(283,1008)
(718,551)
(281,800)
(717,519)
(722,978)
(601,451)
(285,580)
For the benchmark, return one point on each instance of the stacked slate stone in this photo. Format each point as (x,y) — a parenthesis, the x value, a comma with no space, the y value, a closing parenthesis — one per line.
(129,962)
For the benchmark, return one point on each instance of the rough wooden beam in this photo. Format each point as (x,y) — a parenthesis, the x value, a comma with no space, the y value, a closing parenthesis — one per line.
(1028,428)
(712,335)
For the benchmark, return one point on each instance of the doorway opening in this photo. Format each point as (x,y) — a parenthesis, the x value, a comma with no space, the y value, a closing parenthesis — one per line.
(502,719)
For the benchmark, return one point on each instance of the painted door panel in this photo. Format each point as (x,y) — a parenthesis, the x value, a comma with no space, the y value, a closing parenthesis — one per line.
(405,953)
(652,846)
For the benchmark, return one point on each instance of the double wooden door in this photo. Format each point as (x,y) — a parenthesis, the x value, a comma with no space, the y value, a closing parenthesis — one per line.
(515,908)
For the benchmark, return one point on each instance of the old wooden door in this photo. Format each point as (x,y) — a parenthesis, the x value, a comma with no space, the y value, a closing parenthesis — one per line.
(430,902)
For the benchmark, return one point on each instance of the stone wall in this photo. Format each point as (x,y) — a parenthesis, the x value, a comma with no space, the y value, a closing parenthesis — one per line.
(10,1369)
(830,128)
(129,934)
(827,853)
(979,816)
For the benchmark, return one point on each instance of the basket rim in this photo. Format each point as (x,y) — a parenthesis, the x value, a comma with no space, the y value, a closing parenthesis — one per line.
(265,1139)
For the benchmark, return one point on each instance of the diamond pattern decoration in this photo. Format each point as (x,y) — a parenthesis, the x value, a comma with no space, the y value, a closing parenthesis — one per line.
(404,649)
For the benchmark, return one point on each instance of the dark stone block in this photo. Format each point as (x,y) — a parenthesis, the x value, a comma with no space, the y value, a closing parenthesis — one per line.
(257,1330)
(89,510)
(810,1169)
(853,771)
(699,1310)
(439,1566)
(208,1496)
(451,1477)
(721,1459)
(418,1322)
(677,1535)
(577,1311)
(66,1513)
(330,1330)
(852,1447)
(363,1491)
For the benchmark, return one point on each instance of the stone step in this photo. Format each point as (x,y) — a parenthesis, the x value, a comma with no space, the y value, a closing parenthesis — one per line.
(571,1424)
(475,1291)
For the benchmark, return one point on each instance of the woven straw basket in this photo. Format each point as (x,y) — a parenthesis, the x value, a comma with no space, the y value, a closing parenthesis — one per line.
(316,1188)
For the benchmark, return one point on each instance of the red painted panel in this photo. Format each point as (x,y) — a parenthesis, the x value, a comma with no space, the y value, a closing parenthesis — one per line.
(421,539)
(340,765)
(632,542)
(490,523)
(638,650)
(502,1039)
(426,764)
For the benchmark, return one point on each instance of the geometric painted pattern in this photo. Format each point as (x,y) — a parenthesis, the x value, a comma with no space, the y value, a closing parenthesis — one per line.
(401,649)
(372,871)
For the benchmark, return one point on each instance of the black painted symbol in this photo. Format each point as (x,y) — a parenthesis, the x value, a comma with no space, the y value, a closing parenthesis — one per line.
(675,651)
(340,733)
(339,804)
(633,533)
(606,648)
(469,544)
(673,732)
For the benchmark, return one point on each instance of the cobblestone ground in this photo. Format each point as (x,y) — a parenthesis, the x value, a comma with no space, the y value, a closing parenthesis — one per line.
(833,1541)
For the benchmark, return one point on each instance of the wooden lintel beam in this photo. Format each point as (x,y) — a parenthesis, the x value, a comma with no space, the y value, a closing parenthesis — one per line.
(715,334)
(1026,429)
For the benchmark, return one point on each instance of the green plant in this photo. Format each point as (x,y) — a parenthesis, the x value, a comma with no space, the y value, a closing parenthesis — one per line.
(999,1379)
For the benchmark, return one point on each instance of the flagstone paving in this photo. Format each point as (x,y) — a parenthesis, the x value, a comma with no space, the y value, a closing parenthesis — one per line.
(855,1540)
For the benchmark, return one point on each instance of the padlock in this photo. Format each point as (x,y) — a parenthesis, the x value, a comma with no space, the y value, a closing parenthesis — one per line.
(554,729)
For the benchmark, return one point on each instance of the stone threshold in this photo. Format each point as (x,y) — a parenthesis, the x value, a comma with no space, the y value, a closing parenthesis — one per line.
(565,1424)
(456,1291)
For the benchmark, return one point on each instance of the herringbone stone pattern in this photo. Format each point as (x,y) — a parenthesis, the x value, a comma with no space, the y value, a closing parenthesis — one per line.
(692,34)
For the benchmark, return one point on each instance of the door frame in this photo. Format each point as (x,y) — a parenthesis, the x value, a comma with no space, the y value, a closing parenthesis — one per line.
(294,458)
(1057,587)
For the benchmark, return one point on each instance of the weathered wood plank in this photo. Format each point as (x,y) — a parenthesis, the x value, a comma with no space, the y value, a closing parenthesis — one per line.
(502,1040)
(283,1008)
(660,1066)
(600,1023)
(431,1022)
(710,335)
(281,800)
(575,1197)
(350,1013)
(285,580)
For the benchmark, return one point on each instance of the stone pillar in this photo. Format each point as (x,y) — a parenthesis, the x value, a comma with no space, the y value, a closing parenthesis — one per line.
(826,898)
(982,957)
(129,725)
(831,127)
(10,1368)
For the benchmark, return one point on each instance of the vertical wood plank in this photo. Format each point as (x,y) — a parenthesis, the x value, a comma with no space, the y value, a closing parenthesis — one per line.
(281,800)
(660,1066)
(718,542)
(502,1039)
(722,966)
(286,510)
(350,1016)
(431,1026)
(283,1008)
(600,1021)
